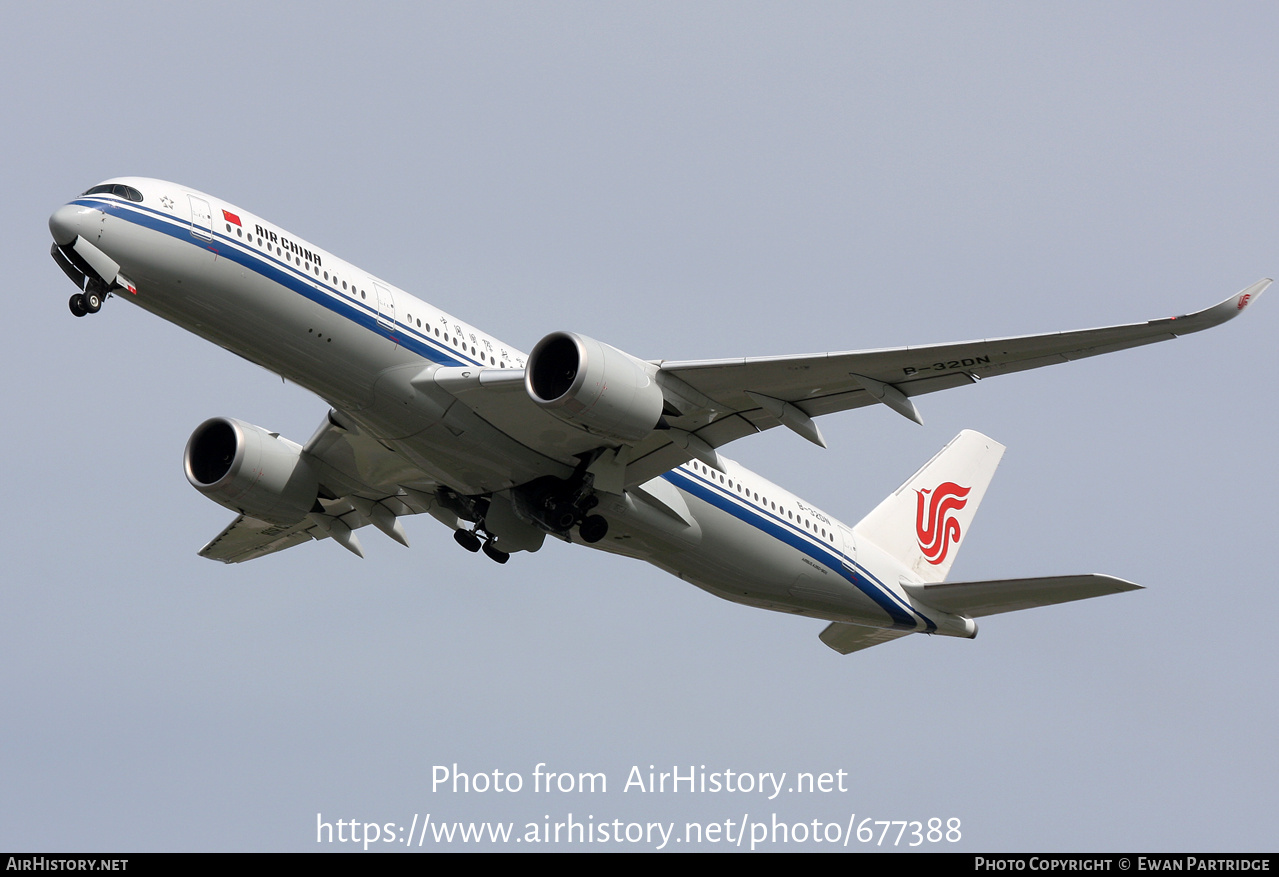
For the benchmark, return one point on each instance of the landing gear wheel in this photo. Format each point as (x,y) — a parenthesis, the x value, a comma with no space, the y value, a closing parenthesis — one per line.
(496,554)
(77,305)
(593,529)
(467,540)
(92,301)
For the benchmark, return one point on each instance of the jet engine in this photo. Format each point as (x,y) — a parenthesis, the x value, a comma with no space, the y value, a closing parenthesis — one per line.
(251,471)
(594,386)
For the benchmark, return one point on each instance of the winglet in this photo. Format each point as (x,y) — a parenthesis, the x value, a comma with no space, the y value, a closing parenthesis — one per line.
(1220,312)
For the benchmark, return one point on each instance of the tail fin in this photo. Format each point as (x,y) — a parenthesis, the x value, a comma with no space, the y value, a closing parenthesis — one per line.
(923,522)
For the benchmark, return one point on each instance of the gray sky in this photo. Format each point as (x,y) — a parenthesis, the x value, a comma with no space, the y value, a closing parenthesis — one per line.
(682,181)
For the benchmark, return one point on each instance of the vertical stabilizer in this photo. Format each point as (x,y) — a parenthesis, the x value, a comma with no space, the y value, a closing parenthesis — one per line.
(923,523)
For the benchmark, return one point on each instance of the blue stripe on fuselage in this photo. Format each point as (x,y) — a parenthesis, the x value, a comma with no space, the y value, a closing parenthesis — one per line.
(284,275)
(773,526)
(293,279)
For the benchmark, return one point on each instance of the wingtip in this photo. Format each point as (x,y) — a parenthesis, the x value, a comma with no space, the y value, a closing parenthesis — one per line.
(1242,299)
(1119,585)
(1222,311)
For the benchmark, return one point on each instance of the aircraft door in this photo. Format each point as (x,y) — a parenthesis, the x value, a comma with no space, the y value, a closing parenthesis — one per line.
(201,218)
(849,554)
(385,306)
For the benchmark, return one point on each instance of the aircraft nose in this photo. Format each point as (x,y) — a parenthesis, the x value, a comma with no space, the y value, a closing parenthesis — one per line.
(66,221)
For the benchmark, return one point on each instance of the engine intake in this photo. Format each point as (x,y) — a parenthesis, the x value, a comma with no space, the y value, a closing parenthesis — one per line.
(593,386)
(251,471)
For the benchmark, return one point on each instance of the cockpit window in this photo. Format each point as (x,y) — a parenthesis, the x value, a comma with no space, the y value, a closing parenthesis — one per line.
(119,189)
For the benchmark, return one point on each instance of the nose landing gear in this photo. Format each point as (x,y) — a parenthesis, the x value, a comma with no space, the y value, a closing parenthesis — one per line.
(87,302)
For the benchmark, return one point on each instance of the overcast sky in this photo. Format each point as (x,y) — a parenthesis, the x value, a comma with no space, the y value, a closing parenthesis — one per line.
(682,181)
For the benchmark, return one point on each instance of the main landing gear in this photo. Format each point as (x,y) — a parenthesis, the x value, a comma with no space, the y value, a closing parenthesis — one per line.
(592,529)
(471,541)
(551,505)
(560,506)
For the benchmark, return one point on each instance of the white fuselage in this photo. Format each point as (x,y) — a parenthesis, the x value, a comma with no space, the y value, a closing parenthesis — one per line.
(357,341)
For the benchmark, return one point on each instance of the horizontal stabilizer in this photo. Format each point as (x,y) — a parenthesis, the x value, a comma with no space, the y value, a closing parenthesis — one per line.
(248,538)
(976,599)
(848,638)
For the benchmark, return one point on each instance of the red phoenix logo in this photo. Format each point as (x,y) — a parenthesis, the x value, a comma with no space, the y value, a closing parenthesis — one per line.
(935,523)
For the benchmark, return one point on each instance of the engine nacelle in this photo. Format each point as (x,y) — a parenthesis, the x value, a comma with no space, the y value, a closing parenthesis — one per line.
(594,386)
(251,471)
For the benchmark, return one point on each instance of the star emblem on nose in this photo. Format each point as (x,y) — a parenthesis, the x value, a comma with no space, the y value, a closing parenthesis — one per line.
(166,202)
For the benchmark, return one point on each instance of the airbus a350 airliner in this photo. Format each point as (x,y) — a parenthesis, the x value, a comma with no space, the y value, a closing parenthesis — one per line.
(576,440)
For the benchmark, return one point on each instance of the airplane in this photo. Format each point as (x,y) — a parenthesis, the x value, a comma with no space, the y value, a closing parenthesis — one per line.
(576,440)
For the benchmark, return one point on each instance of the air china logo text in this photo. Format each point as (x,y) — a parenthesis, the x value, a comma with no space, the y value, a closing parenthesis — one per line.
(935,523)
